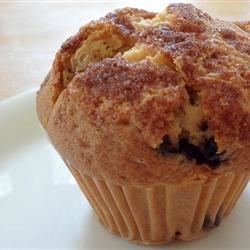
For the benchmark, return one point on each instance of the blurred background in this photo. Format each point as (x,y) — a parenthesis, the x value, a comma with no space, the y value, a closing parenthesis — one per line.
(32,32)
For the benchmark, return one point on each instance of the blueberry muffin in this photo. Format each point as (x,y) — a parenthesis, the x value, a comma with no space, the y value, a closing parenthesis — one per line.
(151,114)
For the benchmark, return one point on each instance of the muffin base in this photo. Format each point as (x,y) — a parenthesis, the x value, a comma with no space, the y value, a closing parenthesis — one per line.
(160,214)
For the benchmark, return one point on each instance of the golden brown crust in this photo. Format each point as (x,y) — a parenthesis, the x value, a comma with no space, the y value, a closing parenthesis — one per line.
(107,107)
(244,25)
(224,107)
(117,22)
(120,81)
(187,18)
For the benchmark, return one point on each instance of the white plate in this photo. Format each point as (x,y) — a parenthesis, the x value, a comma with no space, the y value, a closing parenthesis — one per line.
(42,207)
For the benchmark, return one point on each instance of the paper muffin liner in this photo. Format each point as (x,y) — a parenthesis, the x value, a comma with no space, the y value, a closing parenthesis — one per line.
(162,213)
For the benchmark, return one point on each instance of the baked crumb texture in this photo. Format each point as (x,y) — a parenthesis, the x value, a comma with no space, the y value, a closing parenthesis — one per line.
(139,97)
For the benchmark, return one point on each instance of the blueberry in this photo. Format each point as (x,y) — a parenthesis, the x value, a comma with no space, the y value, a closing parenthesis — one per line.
(207,223)
(210,148)
(206,153)
(191,151)
(166,147)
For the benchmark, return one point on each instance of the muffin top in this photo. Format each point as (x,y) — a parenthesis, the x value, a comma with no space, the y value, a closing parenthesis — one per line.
(144,98)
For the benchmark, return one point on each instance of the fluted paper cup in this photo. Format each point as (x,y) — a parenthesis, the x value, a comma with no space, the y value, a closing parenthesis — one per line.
(161,213)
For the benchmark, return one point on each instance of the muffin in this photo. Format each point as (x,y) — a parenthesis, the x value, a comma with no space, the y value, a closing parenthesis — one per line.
(151,114)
